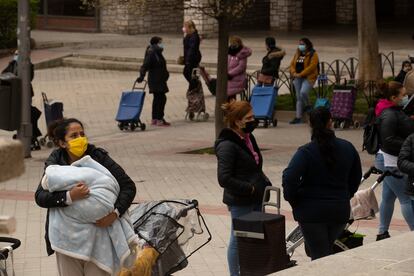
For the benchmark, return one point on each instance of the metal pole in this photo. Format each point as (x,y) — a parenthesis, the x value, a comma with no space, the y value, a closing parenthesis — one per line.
(24,134)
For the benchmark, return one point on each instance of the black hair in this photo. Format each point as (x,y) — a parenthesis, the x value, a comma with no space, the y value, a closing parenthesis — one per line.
(155,40)
(404,63)
(308,43)
(57,130)
(270,42)
(323,135)
(386,90)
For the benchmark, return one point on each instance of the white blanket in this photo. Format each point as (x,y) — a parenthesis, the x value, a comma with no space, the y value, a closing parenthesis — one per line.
(72,229)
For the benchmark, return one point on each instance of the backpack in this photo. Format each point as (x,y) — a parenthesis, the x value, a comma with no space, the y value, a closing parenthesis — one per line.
(371,142)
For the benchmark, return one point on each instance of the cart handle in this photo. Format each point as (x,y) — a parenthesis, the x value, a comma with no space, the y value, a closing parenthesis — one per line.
(183,212)
(136,87)
(266,194)
(44,97)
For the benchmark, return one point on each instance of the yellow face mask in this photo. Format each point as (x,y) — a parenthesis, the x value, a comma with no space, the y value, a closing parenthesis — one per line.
(78,146)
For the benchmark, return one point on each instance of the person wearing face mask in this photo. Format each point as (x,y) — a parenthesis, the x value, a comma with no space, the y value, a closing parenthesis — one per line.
(406,67)
(70,138)
(408,81)
(155,64)
(192,54)
(319,182)
(394,127)
(304,71)
(236,67)
(239,169)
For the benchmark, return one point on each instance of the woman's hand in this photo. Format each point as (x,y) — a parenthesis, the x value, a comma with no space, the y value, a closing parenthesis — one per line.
(106,220)
(80,191)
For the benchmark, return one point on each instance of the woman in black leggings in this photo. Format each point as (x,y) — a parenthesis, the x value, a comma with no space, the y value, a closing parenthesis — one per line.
(319,181)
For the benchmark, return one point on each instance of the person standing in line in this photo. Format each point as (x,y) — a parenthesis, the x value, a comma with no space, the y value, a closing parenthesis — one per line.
(394,127)
(236,67)
(192,54)
(319,182)
(271,62)
(304,71)
(405,68)
(155,64)
(239,169)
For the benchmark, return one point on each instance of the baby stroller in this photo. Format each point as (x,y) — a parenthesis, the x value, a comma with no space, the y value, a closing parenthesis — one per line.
(196,108)
(6,255)
(174,228)
(209,81)
(53,112)
(347,240)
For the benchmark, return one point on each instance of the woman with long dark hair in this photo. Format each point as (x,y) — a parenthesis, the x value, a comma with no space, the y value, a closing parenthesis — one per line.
(319,181)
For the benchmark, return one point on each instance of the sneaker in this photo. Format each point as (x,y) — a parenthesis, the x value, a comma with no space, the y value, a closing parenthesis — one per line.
(163,123)
(154,122)
(383,236)
(296,121)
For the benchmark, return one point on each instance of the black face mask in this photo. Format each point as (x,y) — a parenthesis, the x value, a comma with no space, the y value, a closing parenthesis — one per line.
(250,126)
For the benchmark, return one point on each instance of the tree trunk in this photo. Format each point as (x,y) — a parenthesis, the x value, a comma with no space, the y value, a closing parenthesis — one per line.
(369,68)
(221,92)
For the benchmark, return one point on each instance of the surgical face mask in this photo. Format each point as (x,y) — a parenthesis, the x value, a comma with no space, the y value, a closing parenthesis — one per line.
(302,47)
(161,45)
(15,57)
(249,126)
(78,146)
(403,101)
(184,30)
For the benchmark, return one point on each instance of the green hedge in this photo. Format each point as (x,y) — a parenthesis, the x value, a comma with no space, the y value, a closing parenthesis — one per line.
(8,21)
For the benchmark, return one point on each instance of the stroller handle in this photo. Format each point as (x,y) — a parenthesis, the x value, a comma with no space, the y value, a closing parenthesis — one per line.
(183,212)
(4,252)
(384,175)
(372,170)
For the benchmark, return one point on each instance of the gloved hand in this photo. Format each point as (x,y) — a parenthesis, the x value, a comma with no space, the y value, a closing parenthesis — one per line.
(140,79)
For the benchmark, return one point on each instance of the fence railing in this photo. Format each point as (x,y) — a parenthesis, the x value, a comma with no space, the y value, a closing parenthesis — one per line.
(333,74)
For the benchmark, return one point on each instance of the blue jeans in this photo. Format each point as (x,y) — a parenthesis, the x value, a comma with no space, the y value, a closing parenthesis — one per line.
(393,188)
(232,251)
(302,88)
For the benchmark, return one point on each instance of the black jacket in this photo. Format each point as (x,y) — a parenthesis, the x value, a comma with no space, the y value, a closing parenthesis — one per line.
(237,170)
(394,128)
(406,162)
(48,200)
(155,64)
(271,62)
(401,77)
(192,54)
(319,194)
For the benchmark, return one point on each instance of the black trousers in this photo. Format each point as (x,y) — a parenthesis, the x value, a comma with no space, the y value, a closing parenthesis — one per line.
(188,70)
(320,237)
(158,105)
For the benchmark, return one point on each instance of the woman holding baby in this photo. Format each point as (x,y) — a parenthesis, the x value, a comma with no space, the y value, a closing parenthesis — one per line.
(70,138)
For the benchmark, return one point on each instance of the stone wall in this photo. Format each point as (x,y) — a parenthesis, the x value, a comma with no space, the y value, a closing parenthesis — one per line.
(256,18)
(286,15)
(204,24)
(345,11)
(156,16)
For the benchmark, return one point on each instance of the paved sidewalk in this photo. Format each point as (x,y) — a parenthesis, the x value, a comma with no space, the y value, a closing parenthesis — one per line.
(154,160)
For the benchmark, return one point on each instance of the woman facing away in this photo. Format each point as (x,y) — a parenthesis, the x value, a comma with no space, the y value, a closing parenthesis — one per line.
(319,182)
(239,169)
(394,127)
(70,138)
(192,54)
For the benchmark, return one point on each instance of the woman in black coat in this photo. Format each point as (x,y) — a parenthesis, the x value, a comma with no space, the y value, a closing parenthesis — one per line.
(319,181)
(271,62)
(239,169)
(406,165)
(72,143)
(155,64)
(192,54)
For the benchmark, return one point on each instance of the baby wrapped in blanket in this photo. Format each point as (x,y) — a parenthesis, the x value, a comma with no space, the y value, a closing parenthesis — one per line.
(72,229)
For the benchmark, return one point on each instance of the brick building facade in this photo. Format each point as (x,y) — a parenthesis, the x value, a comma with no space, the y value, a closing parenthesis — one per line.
(121,17)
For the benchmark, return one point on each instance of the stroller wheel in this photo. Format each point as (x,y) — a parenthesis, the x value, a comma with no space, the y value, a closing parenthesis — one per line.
(132,126)
(336,124)
(49,144)
(205,117)
(121,126)
(42,141)
(356,124)
(143,126)
(342,125)
(191,116)
(14,137)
